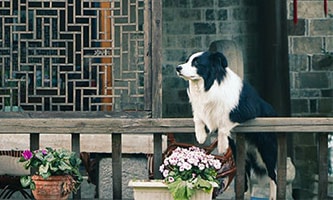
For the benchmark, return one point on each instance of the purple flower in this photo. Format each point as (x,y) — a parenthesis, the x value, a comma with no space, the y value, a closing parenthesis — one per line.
(44,151)
(27,154)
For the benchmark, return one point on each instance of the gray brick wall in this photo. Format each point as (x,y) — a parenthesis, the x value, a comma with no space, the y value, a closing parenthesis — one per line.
(310,46)
(311,83)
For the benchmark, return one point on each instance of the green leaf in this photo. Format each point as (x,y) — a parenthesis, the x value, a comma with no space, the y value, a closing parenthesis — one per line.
(179,190)
(26,165)
(39,155)
(44,168)
(49,157)
(45,175)
(32,186)
(64,166)
(53,168)
(203,184)
(25,181)
(22,159)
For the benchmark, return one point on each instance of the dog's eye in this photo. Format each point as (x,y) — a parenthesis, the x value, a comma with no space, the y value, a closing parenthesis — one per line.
(194,62)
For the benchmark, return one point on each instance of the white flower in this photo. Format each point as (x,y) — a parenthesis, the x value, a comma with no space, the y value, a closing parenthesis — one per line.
(162,168)
(201,166)
(171,179)
(187,166)
(165,173)
(217,164)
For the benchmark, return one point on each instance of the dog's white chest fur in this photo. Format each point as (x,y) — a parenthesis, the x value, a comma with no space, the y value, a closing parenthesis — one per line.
(213,107)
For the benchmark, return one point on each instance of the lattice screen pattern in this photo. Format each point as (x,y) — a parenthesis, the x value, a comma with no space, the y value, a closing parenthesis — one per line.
(71,55)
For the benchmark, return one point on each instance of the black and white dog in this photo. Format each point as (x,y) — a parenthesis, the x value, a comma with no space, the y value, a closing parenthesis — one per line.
(220,100)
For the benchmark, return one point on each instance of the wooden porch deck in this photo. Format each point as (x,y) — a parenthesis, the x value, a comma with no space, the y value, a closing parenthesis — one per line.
(116,125)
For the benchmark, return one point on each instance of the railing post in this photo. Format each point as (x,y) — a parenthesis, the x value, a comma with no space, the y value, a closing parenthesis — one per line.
(116,166)
(34,141)
(281,165)
(322,165)
(157,155)
(76,149)
(34,144)
(240,163)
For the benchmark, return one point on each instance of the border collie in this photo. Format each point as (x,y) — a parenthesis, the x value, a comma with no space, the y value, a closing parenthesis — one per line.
(220,100)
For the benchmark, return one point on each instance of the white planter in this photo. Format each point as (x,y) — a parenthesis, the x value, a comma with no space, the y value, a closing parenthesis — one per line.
(156,189)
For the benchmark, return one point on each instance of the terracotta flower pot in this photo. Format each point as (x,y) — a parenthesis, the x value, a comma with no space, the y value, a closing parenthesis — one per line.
(50,188)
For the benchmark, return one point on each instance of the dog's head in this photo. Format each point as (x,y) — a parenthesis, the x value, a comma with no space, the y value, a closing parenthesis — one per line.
(207,66)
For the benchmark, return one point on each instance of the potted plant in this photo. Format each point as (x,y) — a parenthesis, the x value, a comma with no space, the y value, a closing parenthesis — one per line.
(189,173)
(57,168)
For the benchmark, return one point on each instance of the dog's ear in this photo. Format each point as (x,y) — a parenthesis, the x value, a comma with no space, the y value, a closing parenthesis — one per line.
(219,63)
(218,59)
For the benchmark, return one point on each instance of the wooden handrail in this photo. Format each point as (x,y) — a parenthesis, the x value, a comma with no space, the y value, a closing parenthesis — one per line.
(158,126)
(150,125)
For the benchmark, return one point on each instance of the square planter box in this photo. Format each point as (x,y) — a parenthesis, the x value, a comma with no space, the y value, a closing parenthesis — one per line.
(156,189)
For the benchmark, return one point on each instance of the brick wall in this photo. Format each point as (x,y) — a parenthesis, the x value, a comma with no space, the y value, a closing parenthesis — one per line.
(311,79)
(311,66)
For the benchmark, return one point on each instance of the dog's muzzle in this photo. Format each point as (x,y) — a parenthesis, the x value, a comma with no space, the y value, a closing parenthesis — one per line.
(179,68)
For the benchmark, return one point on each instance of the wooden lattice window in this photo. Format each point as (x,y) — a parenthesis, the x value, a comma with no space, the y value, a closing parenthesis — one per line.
(73,55)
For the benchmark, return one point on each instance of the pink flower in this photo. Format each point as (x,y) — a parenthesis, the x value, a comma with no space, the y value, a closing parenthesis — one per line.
(27,154)
(44,151)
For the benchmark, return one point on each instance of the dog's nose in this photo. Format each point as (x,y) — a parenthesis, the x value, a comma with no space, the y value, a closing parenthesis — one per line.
(179,68)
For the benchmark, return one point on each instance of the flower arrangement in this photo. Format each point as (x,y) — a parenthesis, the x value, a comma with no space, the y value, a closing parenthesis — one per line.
(48,162)
(187,170)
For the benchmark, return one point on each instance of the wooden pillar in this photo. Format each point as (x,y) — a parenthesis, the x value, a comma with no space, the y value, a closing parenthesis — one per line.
(154,58)
(274,56)
(106,44)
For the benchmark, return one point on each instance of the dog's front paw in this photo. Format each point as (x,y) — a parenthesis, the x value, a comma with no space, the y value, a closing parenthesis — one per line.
(222,144)
(201,136)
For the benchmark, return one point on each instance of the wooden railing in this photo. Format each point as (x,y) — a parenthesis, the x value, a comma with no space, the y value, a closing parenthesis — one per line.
(116,126)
